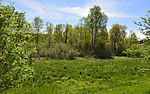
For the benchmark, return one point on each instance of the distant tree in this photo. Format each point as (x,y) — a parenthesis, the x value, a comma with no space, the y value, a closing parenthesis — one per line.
(58,33)
(86,29)
(78,35)
(133,38)
(117,38)
(49,29)
(37,26)
(98,21)
(91,28)
(71,36)
(67,29)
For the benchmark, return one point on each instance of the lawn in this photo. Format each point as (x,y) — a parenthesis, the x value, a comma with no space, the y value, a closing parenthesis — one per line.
(120,75)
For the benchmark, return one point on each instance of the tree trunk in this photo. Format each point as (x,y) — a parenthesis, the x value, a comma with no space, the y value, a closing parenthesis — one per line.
(92,38)
(66,37)
(37,47)
(95,36)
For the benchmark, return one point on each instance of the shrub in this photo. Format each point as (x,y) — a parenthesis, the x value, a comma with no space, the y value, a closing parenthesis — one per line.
(146,53)
(137,50)
(103,52)
(62,51)
(134,51)
(43,52)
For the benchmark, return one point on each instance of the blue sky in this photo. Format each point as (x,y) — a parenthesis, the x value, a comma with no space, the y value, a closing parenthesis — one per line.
(123,12)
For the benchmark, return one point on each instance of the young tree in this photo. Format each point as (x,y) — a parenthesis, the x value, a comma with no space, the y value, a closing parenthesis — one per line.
(133,38)
(58,32)
(49,29)
(37,26)
(117,38)
(67,30)
(86,28)
(78,35)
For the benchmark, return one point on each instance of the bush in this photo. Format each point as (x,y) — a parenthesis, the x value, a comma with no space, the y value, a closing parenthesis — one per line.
(146,53)
(137,50)
(103,52)
(43,52)
(134,51)
(62,51)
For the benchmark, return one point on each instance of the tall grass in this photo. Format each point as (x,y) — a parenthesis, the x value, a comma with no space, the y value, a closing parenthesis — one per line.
(89,76)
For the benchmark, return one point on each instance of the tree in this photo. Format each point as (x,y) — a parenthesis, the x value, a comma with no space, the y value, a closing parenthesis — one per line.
(77,36)
(86,28)
(37,26)
(133,38)
(98,21)
(49,27)
(117,38)
(71,36)
(81,33)
(67,29)
(144,26)
(58,32)
(16,63)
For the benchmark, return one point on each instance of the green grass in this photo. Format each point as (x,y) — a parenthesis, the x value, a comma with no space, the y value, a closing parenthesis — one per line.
(120,75)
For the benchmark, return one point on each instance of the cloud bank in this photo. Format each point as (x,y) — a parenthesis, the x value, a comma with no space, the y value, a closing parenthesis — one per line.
(52,11)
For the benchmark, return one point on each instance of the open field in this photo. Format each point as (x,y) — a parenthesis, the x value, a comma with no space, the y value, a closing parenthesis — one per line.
(120,75)
(74,47)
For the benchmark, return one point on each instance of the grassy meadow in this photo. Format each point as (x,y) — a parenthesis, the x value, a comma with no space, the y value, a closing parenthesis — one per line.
(69,48)
(120,75)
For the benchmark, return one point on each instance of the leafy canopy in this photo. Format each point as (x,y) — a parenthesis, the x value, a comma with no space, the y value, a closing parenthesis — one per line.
(16,62)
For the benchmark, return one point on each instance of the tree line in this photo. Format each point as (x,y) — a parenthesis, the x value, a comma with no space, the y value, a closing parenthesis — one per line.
(90,36)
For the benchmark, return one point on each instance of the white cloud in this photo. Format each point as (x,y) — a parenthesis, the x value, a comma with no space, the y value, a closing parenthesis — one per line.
(76,10)
(34,8)
(137,32)
(107,6)
(33,5)
(52,11)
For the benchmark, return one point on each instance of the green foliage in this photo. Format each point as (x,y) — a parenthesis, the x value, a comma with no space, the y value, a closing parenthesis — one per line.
(16,62)
(103,51)
(97,22)
(89,37)
(133,38)
(144,25)
(62,51)
(37,26)
(146,53)
(147,58)
(49,27)
(137,50)
(117,38)
(58,33)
